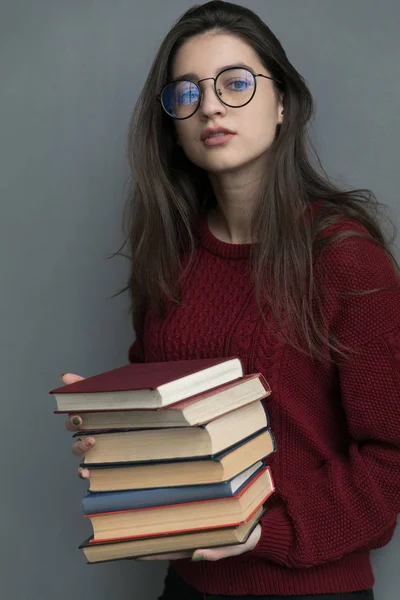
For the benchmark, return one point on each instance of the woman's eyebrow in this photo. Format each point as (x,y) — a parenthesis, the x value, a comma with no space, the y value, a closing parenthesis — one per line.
(196,77)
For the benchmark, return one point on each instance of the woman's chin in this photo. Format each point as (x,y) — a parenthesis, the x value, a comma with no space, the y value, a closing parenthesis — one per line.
(220,165)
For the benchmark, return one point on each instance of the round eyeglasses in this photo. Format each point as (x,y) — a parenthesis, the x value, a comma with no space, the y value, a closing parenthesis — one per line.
(234,87)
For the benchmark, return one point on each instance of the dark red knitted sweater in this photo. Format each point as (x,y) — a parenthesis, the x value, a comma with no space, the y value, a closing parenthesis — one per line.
(337,428)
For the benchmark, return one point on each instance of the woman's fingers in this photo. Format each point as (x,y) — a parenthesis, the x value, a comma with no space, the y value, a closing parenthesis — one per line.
(84,473)
(68,378)
(73,423)
(81,447)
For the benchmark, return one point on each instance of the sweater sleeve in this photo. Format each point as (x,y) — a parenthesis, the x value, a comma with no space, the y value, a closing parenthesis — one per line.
(351,502)
(135,352)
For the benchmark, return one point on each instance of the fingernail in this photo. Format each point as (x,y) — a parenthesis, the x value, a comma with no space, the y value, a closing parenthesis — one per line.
(77,420)
(90,441)
(62,375)
(197,557)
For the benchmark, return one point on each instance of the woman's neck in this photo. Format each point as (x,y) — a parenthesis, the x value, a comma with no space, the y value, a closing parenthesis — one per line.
(230,225)
(230,220)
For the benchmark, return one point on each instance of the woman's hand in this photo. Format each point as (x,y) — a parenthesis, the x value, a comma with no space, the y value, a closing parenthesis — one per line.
(213,553)
(81,447)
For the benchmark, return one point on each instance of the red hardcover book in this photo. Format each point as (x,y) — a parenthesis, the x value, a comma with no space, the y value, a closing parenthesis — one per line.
(147,385)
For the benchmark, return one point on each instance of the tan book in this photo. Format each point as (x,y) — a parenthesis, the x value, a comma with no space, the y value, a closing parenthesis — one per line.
(189,516)
(221,467)
(134,548)
(177,443)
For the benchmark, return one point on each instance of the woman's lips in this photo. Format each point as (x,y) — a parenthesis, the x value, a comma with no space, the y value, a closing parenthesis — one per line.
(217,140)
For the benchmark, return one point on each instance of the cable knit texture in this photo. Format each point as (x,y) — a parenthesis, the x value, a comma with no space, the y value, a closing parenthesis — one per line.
(337,427)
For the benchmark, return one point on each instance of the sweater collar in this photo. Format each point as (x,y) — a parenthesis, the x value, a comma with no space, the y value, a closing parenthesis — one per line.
(226,249)
(218,247)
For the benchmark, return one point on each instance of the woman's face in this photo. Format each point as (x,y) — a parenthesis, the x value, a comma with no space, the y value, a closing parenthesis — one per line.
(254,125)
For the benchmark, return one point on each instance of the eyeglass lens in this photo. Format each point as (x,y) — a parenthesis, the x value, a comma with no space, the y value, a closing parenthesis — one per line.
(235,87)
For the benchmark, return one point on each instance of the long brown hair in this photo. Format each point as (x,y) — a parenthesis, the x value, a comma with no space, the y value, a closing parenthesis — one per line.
(169,194)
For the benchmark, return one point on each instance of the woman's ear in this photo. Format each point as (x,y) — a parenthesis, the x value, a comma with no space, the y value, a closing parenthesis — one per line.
(280,111)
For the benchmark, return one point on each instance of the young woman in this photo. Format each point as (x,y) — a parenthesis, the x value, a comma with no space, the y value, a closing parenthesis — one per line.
(239,246)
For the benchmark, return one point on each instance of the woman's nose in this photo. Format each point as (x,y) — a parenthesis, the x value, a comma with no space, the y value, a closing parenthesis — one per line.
(210,104)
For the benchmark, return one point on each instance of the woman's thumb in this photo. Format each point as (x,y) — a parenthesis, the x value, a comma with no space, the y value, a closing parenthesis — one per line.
(68,378)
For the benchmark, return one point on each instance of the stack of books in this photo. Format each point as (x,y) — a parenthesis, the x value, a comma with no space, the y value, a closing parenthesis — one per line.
(178,462)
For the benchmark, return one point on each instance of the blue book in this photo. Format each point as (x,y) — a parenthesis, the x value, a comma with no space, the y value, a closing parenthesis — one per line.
(101,502)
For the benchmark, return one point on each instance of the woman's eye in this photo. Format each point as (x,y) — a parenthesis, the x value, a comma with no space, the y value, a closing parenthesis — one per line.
(238,84)
(187,97)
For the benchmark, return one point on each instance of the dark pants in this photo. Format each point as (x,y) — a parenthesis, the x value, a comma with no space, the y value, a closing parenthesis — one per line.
(176,588)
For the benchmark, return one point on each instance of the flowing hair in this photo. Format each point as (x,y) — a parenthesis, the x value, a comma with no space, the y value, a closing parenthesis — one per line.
(168,194)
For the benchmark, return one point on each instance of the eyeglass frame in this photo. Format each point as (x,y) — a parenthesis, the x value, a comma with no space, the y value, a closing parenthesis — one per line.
(255,75)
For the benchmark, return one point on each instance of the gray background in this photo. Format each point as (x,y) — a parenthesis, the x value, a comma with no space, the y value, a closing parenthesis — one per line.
(69,75)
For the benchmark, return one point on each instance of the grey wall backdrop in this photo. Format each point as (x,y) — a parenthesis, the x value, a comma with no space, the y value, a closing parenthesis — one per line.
(69,75)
